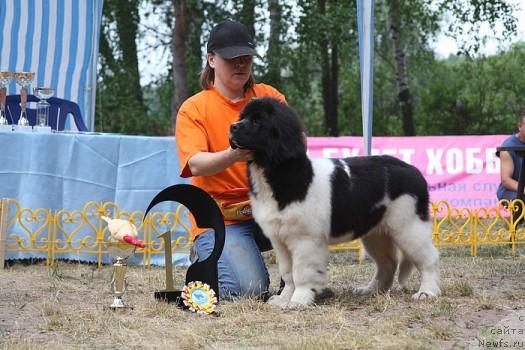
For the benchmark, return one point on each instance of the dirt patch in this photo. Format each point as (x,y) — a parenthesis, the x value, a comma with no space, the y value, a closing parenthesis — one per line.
(64,306)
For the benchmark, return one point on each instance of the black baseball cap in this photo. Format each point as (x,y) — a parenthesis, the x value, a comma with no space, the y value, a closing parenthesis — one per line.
(231,39)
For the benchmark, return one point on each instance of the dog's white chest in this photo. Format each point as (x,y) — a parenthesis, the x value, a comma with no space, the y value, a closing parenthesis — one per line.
(265,208)
(295,218)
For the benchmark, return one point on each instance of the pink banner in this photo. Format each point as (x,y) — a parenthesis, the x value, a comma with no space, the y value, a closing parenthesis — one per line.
(462,170)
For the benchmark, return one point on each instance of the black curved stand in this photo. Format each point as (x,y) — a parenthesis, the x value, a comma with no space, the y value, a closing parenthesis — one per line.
(207,215)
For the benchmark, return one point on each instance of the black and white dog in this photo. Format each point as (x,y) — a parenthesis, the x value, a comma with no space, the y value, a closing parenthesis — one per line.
(304,204)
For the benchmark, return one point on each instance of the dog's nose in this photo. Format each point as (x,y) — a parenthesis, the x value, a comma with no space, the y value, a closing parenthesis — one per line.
(234,127)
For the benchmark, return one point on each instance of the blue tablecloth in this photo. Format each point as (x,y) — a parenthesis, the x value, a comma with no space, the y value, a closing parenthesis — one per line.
(66,170)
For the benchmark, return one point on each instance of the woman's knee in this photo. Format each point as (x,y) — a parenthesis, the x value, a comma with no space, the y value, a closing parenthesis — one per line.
(243,277)
(245,286)
(241,268)
(256,284)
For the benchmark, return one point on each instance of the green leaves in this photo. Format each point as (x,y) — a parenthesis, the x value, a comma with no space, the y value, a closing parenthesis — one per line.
(303,41)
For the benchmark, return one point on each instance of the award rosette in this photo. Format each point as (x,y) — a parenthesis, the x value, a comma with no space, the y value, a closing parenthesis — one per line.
(199,297)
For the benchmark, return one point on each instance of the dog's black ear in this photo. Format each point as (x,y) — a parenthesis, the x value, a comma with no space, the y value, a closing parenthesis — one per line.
(293,149)
(291,129)
(278,151)
(274,150)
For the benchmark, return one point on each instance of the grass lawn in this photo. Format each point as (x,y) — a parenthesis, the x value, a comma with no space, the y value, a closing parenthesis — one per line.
(63,307)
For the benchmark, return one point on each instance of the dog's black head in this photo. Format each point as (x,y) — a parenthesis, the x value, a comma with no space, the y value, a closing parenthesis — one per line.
(271,129)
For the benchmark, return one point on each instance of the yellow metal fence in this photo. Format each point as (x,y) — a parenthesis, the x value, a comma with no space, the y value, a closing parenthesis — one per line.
(49,233)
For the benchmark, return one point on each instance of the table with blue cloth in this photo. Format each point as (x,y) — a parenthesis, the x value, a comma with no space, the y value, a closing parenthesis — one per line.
(65,170)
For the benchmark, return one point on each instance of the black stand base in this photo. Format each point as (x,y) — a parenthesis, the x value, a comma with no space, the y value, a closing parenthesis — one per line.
(170,296)
(207,215)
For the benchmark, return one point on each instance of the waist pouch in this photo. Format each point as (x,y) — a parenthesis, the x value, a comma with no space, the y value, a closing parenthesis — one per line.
(234,204)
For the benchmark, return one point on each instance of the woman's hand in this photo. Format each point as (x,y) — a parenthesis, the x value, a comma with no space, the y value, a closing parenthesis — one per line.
(207,163)
(240,155)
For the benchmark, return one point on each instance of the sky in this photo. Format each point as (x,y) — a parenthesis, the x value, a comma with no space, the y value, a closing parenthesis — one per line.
(156,61)
(444,46)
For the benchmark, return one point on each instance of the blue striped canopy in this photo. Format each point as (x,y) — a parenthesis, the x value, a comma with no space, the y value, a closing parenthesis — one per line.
(365,24)
(58,40)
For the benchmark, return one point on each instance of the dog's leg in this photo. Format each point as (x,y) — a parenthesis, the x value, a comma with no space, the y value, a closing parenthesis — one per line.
(284,260)
(309,271)
(405,270)
(415,241)
(381,248)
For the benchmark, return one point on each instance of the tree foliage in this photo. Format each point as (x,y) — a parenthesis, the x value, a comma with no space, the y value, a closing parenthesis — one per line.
(310,53)
(120,103)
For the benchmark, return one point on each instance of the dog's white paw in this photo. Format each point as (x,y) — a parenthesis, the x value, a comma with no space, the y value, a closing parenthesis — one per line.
(278,300)
(301,298)
(423,295)
(362,291)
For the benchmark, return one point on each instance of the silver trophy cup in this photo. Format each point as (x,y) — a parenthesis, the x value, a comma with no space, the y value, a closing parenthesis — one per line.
(120,251)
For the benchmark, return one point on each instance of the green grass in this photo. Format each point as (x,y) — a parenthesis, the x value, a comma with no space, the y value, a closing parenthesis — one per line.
(64,307)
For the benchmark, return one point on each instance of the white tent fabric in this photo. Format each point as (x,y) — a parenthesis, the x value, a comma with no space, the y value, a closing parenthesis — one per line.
(58,40)
(365,23)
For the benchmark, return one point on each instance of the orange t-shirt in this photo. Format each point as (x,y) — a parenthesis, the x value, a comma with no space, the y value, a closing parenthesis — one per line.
(203,125)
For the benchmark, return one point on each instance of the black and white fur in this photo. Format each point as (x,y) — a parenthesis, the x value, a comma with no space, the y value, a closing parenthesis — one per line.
(304,204)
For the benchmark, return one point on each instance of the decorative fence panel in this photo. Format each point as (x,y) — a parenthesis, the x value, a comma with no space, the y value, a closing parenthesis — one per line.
(82,234)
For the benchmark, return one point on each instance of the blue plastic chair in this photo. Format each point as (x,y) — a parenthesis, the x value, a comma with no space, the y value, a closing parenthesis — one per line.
(59,110)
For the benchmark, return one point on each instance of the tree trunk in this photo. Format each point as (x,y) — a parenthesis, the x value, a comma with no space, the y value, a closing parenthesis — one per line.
(332,120)
(247,16)
(178,50)
(194,58)
(127,19)
(273,55)
(106,53)
(329,79)
(403,90)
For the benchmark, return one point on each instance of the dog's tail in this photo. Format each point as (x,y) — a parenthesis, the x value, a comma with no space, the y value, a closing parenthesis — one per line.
(405,269)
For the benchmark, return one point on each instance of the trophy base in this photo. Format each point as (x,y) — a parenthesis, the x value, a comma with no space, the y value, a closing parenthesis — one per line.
(118,304)
(170,296)
(42,129)
(22,128)
(6,128)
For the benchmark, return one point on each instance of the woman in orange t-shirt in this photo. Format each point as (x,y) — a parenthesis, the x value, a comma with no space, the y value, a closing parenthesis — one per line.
(202,136)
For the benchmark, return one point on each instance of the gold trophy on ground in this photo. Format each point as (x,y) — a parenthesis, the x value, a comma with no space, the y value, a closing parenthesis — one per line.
(121,245)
